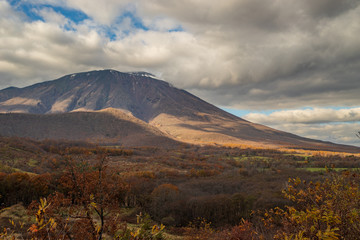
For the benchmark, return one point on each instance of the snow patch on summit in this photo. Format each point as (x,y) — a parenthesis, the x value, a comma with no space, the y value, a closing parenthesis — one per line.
(144,74)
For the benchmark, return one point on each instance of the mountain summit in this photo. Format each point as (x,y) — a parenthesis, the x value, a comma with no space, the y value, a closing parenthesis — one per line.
(156,105)
(138,92)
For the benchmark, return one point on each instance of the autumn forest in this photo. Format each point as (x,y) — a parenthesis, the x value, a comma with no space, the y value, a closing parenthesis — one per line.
(77,190)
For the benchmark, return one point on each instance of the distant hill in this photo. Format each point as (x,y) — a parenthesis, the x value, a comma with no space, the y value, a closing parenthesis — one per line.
(71,107)
(108,126)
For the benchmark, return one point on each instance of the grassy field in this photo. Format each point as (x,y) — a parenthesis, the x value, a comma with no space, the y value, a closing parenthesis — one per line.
(324,169)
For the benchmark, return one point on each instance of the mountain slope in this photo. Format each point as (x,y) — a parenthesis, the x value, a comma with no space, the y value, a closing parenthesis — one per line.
(109,126)
(171,111)
(139,93)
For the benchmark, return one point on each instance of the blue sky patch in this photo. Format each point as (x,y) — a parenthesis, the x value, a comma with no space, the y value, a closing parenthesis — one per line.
(27,9)
(74,15)
(30,11)
(135,21)
(243,112)
(177,29)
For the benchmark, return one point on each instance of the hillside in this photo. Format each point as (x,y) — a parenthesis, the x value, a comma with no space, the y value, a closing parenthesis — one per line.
(109,126)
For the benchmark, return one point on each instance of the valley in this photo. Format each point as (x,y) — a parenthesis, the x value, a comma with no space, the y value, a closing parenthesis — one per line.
(174,185)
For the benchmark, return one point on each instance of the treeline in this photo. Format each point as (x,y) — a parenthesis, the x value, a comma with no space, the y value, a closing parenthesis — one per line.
(26,155)
(24,188)
(165,202)
(171,199)
(18,154)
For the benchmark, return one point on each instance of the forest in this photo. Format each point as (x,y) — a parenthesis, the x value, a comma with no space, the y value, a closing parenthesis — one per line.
(76,190)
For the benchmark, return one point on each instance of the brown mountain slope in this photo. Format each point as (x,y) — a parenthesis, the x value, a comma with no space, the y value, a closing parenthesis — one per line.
(139,93)
(172,111)
(216,129)
(108,126)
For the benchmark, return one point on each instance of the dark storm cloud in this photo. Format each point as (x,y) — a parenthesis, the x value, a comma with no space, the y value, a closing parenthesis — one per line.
(328,8)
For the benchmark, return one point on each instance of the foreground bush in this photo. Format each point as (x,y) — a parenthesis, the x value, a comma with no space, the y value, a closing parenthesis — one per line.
(321,210)
(327,210)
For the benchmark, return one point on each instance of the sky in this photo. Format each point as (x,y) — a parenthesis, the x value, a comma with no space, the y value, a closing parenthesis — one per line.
(289,64)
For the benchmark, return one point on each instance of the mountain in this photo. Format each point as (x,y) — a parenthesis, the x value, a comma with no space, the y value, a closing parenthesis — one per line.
(138,98)
(139,93)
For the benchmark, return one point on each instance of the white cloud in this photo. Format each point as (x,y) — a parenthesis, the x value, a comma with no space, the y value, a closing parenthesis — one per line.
(342,133)
(246,54)
(104,12)
(242,54)
(339,126)
(316,115)
(162,24)
(50,16)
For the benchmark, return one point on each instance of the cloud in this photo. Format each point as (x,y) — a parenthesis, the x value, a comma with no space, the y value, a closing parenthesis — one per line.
(342,133)
(335,125)
(316,115)
(243,54)
(105,12)
(284,54)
